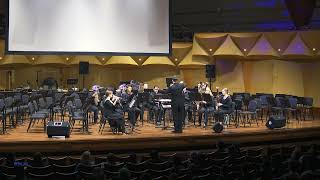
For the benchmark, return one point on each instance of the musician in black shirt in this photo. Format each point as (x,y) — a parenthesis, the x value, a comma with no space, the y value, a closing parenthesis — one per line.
(154,109)
(177,104)
(93,107)
(224,105)
(113,111)
(130,106)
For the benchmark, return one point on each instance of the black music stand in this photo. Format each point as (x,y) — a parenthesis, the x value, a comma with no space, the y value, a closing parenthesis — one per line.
(65,102)
(207,98)
(72,82)
(163,96)
(142,97)
(195,96)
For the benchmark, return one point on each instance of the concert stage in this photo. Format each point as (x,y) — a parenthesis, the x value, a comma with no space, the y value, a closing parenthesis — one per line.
(149,137)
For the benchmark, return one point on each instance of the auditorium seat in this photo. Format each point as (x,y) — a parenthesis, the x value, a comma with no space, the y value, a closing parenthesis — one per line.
(185,177)
(204,177)
(167,157)
(201,165)
(158,173)
(138,174)
(159,166)
(114,167)
(7,172)
(66,176)
(110,174)
(74,160)
(49,176)
(254,152)
(100,159)
(62,161)
(39,170)
(161,178)
(64,169)
(137,166)
(84,175)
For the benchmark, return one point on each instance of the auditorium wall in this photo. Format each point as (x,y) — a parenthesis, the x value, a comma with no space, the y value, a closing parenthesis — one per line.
(311,75)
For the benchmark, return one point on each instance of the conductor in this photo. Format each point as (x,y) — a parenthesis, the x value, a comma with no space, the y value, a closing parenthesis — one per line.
(176,90)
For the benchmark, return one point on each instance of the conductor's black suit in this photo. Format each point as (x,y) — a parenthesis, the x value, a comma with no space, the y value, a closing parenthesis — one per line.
(177,105)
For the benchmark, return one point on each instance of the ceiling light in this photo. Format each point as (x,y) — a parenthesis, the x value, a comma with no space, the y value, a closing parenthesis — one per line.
(210,49)
(279,49)
(245,50)
(67,58)
(32,58)
(0,57)
(176,59)
(140,59)
(314,49)
(103,59)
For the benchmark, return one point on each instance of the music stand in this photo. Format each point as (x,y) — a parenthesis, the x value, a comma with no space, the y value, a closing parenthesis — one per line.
(72,82)
(148,90)
(207,98)
(142,97)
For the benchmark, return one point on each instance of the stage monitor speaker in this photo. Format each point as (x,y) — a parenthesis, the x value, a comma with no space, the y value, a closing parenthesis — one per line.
(301,11)
(276,122)
(58,129)
(210,71)
(83,67)
(218,128)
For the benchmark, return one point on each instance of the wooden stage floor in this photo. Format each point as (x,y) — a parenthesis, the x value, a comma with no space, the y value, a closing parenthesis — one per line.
(148,137)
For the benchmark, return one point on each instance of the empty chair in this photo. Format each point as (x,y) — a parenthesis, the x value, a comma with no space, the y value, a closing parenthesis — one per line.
(292,108)
(10,110)
(33,115)
(250,114)
(78,116)
(308,107)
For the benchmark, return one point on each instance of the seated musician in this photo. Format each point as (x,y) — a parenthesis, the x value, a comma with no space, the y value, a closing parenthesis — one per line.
(134,111)
(203,106)
(113,111)
(209,106)
(224,105)
(153,107)
(93,107)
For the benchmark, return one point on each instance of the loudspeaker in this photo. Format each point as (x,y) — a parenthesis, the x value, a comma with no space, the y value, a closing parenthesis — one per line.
(218,128)
(301,11)
(210,71)
(276,122)
(58,129)
(83,67)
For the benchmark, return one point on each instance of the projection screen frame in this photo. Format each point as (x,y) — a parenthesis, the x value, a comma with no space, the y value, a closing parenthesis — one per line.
(85,53)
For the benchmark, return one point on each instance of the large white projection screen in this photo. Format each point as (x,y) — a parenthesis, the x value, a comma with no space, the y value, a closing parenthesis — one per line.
(89,26)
